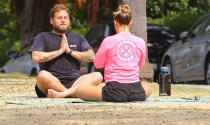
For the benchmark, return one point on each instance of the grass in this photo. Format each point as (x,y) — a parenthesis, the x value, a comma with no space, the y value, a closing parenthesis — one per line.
(15,76)
(177,90)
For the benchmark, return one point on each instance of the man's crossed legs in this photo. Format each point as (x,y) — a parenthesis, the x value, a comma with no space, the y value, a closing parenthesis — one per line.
(51,86)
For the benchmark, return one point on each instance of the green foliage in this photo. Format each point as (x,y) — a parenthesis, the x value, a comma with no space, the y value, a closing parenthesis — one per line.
(83,30)
(78,21)
(9,32)
(180,22)
(179,15)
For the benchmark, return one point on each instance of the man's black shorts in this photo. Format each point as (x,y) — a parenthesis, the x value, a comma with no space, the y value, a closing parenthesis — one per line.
(123,92)
(66,83)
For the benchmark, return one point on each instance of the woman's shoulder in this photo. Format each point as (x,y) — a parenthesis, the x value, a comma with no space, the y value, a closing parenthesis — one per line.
(137,37)
(111,38)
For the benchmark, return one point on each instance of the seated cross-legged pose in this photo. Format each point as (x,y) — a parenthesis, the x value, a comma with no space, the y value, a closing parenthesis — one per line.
(121,56)
(59,54)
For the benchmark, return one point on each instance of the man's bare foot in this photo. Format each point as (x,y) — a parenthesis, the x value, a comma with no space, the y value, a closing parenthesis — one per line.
(54,94)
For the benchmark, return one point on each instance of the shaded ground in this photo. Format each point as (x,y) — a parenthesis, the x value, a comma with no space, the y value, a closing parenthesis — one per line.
(15,89)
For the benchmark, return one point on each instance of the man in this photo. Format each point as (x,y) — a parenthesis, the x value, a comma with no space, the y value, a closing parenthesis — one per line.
(59,54)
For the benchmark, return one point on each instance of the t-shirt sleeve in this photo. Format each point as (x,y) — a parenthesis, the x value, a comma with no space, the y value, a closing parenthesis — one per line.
(101,56)
(38,44)
(84,44)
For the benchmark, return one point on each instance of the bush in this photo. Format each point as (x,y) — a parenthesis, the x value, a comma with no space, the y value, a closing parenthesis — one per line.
(9,32)
(180,22)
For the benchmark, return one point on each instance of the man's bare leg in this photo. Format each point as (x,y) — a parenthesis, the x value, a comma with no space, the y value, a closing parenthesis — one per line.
(91,79)
(46,80)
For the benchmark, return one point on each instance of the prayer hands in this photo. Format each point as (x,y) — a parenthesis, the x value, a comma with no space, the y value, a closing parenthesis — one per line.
(64,44)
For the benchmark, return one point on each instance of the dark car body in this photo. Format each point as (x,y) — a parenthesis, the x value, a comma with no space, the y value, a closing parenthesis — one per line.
(21,62)
(159,38)
(189,59)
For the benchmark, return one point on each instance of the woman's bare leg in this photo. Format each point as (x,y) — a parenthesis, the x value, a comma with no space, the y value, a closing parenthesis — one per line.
(147,89)
(90,93)
(91,79)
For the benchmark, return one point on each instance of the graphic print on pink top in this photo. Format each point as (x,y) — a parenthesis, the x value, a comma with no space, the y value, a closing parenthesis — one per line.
(125,51)
(121,56)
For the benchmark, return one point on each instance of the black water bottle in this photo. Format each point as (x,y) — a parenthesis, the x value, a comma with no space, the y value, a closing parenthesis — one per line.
(164,82)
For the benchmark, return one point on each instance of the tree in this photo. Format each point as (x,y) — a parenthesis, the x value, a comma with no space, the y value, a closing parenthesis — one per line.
(32,16)
(93,12)
(138,9)
(9,31)
(97,10)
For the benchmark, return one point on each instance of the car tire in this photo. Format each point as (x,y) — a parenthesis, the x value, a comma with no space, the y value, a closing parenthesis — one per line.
(207,72)
(34,73)
(2,71)
(168,64)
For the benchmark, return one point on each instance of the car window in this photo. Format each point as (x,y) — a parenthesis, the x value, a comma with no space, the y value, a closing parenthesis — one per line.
(24,50)
(207,29)
(198,29)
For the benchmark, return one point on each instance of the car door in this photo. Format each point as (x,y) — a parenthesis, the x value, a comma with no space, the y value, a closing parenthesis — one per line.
(193,53)
(22,63)
(180,54)
(186,56)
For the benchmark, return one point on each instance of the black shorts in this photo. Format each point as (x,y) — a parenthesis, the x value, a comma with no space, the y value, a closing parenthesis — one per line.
(66,83)
(123,92)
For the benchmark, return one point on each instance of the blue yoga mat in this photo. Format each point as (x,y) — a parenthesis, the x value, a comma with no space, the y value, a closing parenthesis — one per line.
(81,101)
(18,96)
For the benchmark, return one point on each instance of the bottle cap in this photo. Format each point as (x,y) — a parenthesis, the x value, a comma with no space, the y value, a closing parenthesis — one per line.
(164,69)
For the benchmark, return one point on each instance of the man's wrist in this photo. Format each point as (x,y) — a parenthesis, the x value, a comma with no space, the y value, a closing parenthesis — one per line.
(61,51)
(70,52)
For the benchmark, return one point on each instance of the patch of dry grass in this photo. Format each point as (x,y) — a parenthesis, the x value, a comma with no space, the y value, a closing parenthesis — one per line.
(15,77)
(179,91)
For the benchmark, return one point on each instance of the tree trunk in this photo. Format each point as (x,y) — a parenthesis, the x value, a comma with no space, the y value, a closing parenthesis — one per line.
(33,17)
(93,12)
(138,9)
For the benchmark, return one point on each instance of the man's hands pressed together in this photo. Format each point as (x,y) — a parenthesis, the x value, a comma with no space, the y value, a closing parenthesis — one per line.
(39,56)
(64,43)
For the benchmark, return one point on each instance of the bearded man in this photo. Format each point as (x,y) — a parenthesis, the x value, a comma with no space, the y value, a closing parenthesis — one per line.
(59,54)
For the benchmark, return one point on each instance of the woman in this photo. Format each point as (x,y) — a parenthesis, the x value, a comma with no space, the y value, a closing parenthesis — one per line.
(121,56)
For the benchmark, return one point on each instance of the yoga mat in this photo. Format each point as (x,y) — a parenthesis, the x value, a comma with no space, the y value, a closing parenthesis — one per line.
(18,96)
(82,101)
(46,102)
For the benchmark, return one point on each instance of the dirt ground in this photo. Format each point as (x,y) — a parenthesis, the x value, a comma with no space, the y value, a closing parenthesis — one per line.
(134,113)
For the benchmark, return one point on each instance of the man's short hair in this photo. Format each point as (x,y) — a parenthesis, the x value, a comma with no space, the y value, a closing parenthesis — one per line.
(56,8)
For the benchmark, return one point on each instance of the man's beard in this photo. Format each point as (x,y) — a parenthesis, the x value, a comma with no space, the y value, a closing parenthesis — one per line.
(61,29)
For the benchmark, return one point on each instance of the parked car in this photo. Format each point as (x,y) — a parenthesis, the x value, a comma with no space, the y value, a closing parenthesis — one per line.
(188,59)
(21,62)
(159,38)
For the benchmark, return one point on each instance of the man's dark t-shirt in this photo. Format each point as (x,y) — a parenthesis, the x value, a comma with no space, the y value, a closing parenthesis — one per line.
(64,66)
